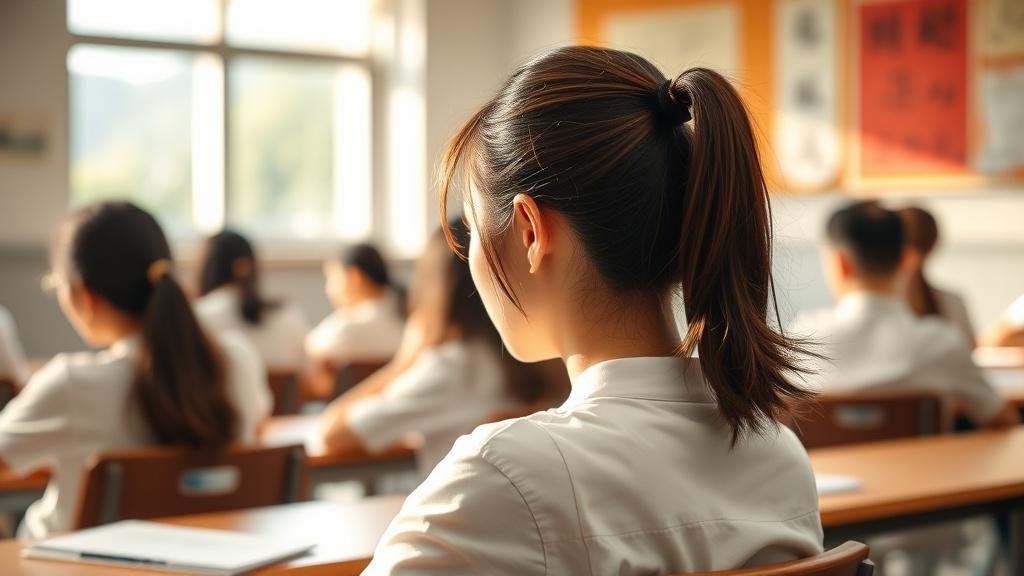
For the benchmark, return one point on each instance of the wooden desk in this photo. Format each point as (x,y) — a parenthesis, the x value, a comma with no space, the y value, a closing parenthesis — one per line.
(326,466)
(345,536)
(921,481)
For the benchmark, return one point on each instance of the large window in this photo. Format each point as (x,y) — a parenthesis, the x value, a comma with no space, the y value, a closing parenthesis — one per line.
(257,114)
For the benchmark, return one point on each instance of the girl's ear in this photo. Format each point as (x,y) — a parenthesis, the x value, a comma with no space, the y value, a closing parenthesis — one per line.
(83,301)
(533,230)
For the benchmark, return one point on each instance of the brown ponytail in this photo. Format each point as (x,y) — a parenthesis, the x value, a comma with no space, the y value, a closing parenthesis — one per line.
(601,137)
(921,232)
(120,253)
(725,259)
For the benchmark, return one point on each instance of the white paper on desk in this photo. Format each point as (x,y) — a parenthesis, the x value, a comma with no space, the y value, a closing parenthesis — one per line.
(165,547)
(836,484)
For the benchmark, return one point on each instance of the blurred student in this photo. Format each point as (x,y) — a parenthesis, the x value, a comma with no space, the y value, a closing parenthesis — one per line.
(13,365)
(230,301)
(160,381)
(591,199)
(1009,330)
(873,340)
(449,375)
(921,233)
(366,325)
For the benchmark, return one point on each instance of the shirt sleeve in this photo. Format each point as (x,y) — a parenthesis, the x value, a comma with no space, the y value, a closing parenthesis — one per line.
(419,401)
(249,389)
(38,422)
(467,517)
(969,388)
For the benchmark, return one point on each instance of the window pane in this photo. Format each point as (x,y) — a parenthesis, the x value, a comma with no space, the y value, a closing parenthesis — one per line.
(175,21)
(334,26)
(300,147)
(132,126)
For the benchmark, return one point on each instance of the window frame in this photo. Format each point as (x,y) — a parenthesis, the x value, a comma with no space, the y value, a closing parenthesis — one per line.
(285,247)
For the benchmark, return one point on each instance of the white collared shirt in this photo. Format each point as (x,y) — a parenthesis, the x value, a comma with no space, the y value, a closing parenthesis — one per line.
(278,337)
(81,404)
(369,332)
(447,392)
(634,474)
(12,358)
(954,310)
(876,342)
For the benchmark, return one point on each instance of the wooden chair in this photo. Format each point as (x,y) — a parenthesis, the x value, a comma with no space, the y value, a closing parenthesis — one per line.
(284,387)
(158,482)
(8,390)
(837,419)
(849,559)
(349,375)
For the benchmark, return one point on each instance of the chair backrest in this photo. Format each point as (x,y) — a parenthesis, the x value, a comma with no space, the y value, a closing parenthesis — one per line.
(348,375)
(837,419)
(849,559)
(8,390)
(158,482)
(284,387)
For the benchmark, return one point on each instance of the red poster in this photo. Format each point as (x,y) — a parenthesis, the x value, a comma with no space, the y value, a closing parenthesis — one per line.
(913,87)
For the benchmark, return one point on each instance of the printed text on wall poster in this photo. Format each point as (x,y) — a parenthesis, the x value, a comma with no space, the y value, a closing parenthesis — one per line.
(913,88)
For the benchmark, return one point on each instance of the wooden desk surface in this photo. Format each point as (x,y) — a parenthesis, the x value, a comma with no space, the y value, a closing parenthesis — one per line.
(919,475)
(281,430)
(345,536)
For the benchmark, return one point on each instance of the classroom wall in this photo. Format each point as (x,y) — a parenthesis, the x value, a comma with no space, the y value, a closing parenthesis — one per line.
(983,252)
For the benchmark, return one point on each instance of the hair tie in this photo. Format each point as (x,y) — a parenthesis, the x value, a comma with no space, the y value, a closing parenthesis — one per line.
(158,269)
(673,111)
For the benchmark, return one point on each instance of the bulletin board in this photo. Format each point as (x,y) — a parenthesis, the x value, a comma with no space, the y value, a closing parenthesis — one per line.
(869,95)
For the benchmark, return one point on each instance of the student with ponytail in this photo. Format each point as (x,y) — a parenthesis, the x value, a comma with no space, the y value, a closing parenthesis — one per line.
(160,380)
(230,300)
(922,236)
(595,188)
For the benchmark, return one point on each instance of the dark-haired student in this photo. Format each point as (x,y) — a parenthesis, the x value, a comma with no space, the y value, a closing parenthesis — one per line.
(230,300)
(592,197)
(872,338)
(366,325)
(921,232)
(160,380)
(449,375)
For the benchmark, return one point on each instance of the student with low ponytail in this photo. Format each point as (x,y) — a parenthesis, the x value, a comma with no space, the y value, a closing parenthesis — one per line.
(595,189)
(160,380)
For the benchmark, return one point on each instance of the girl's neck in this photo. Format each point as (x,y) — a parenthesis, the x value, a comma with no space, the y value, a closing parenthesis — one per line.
(633,327)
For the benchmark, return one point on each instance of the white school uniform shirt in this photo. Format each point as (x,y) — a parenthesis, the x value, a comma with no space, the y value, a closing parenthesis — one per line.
(876,342)
(278,337)
(633,474)
(81,404)
(954,309)
(12,358)
(370,332)
(447,392)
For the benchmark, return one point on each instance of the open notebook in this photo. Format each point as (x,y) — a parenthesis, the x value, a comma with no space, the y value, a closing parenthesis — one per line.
(166,547)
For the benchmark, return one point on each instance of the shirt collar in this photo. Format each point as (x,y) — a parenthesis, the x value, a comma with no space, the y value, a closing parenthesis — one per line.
(856,303)
(665,378)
